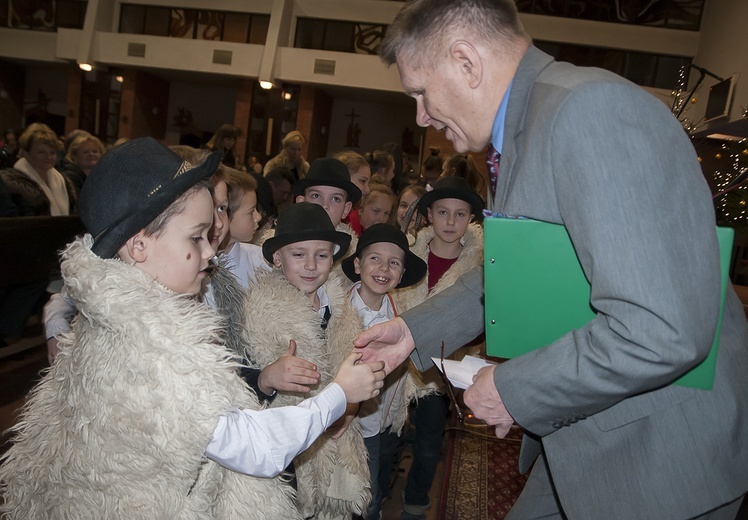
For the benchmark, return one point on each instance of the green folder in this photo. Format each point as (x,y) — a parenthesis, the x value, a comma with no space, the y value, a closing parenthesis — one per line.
(536,290)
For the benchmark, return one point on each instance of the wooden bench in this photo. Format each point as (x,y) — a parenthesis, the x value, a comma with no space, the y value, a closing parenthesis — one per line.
(30,253)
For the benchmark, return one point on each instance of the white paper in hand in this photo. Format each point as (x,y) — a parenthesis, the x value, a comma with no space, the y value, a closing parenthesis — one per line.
(460,373)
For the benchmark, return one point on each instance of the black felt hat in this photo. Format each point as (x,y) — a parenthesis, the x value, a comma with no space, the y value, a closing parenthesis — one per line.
(415,267)
(328,172)
(130,186)
(305,221)
(452,188)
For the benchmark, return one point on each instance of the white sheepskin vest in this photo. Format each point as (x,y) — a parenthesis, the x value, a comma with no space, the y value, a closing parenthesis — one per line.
(332,475)
(419,384)
(118,426)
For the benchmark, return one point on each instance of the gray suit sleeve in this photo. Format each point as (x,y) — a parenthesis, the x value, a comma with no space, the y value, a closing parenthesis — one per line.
(454,316)
(632,196)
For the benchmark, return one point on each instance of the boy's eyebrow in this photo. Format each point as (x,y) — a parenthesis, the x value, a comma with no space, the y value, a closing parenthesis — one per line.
(202,225)
(339,191)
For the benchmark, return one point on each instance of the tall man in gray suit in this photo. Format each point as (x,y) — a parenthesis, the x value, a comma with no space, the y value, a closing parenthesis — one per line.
(609,436)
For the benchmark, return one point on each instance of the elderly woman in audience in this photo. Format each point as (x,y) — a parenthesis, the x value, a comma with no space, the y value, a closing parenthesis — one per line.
(83,153)
(290,157)
(38,154)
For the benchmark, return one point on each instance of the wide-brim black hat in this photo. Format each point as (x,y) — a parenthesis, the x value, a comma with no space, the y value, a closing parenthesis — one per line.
(305,221)
(452,188)
(130,186)
(328,172)
(415,267)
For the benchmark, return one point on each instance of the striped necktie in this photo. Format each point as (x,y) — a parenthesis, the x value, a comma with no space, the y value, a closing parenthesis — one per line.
(492,162)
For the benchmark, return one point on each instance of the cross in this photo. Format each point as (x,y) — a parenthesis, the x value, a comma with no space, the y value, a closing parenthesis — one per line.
(353,115)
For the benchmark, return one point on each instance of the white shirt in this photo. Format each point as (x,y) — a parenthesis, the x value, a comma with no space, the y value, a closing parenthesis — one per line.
(374,412)
(262,443)
(324,302)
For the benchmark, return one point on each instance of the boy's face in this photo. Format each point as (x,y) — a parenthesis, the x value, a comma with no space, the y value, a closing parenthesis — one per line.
(361,179)
(381,266)
(334,200)
(306,265)
(220,216)
(178,256)
(450,218)
(281,191)
(243,223)
(376,210)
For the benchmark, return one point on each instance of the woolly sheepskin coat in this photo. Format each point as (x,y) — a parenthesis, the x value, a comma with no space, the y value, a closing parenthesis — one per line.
(416,385)
(332,475)
(117,428)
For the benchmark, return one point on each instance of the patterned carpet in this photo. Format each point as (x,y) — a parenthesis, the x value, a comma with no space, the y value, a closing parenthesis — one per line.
(481,479)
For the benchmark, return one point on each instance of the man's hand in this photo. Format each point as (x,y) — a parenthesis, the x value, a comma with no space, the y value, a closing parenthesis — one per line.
(288,374)
(360,381)
(390,342)
(484,401)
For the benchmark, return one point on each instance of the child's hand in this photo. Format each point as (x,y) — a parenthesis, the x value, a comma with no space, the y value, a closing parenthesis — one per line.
(339,427)
(360,382)
(288,374)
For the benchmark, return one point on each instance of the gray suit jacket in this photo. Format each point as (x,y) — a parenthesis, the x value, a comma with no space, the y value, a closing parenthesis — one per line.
(587,149)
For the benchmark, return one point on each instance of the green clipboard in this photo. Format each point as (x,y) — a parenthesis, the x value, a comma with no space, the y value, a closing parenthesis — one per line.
(526,258)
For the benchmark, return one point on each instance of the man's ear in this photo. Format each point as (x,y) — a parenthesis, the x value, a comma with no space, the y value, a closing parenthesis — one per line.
(347,209)
(469,60)
(300,198)
(137,247)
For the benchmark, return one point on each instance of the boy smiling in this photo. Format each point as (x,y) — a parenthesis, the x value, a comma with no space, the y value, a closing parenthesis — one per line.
(381,263)
(299,301)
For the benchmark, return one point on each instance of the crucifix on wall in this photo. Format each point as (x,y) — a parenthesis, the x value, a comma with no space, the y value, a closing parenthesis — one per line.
(354,131)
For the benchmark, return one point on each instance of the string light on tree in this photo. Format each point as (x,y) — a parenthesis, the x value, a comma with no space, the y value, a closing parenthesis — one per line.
(731,199)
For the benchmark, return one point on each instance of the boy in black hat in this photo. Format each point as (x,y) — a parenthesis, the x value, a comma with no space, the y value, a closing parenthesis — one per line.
(131,417)
(328,183)
(382,262)
(451,246)
(299,302)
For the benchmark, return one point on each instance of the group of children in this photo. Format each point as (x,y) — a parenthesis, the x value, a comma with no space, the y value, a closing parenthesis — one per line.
(159,405)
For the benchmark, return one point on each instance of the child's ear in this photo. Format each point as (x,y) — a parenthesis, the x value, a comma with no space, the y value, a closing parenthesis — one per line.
(137,247)
(347,208)
(472,217)
(357,265)
(300,198)
(277,259)
(429,215)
